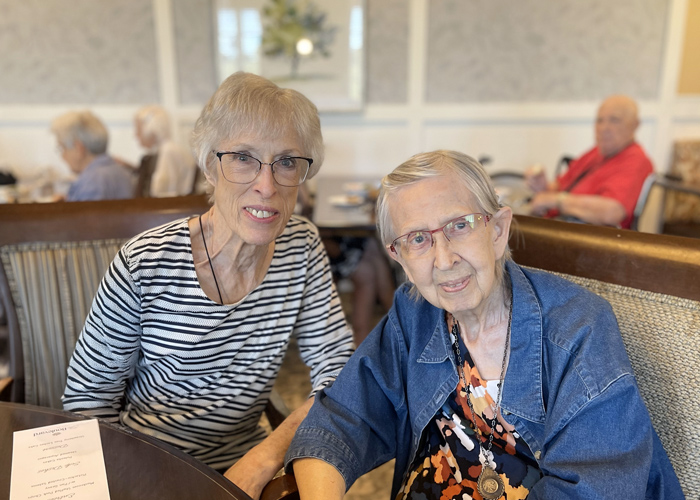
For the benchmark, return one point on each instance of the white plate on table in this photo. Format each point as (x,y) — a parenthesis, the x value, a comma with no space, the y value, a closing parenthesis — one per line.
(346,200)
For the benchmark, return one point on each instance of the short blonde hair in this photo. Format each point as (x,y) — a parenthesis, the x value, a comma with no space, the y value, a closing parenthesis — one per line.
(81,126)
(251,103)
(434,164)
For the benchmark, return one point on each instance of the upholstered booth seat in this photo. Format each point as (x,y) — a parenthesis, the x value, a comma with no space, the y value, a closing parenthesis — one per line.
(662,336)
(52,287)
(651,281)
(52,259)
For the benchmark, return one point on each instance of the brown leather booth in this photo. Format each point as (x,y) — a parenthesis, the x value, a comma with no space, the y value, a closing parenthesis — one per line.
(91,220)
(657,263)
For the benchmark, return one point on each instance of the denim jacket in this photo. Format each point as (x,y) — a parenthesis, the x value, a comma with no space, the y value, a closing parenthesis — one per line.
(569,392)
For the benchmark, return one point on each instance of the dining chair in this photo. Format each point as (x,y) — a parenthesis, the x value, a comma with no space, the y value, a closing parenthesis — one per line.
(144,174)
(681,200)
(650,280)
(682,207)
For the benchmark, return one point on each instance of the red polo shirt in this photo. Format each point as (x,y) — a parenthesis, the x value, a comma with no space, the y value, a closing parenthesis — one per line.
(619,177)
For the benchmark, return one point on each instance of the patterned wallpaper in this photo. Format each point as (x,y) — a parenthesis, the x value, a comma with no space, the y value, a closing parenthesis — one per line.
(103,52)
(387,51)
(193,22)
(544,50)
(77,52)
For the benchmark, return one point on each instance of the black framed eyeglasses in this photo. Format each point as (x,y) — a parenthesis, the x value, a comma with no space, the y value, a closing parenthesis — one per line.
(241,168)
(417,243)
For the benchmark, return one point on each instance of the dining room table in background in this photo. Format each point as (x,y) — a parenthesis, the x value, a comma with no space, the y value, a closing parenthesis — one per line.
(344,206)
(138,466)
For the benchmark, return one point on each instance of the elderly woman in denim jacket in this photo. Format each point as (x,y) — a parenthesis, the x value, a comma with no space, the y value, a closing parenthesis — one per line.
(485,380)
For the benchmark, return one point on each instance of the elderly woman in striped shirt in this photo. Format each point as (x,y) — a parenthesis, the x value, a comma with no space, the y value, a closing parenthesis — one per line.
(190,324)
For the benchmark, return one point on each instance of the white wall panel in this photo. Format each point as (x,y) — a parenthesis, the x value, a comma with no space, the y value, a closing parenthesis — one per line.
(364,150)
(515,50)
(685,130)
(513,146)
(29,150)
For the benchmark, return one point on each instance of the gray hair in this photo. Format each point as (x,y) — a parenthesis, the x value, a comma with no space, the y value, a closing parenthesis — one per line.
(81,126)
(154,122)
(434,164)
(245,102)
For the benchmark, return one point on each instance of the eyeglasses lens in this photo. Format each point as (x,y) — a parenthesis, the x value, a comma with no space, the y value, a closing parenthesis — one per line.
(461,226)
(243,169)
(418,243)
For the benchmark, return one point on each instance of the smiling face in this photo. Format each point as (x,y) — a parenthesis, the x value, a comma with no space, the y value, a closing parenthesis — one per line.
(257,212)
(459,277)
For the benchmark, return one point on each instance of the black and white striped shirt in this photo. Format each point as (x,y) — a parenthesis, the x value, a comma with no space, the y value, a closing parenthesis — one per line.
(157,355)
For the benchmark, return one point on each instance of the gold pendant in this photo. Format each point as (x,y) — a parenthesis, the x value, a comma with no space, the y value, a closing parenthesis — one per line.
(489,484)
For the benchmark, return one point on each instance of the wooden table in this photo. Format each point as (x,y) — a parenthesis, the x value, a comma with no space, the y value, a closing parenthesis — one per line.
(334,220)
(138,467)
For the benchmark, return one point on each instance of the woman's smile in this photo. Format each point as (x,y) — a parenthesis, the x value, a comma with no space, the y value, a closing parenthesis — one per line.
(455,285)
(262,214)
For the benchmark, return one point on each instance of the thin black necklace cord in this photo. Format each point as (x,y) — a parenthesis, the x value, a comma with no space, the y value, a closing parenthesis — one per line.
(211,266)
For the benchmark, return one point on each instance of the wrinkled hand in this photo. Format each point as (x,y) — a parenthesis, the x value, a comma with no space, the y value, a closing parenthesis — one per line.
(535,178)
(257,467)
(251,474)
(541,203)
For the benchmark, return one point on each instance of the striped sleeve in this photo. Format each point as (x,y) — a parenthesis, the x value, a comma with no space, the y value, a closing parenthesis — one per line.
(107,348)
(159,356)
(324,338)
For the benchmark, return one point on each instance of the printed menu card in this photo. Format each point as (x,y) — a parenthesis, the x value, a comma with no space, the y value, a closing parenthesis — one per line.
(58,462)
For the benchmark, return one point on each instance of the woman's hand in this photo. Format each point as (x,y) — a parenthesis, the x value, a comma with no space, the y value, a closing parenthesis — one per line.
(252,472)
(257,467)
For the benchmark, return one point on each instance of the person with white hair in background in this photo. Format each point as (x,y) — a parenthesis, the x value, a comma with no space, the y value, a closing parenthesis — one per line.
(168,169)
(82,141)
(602,186)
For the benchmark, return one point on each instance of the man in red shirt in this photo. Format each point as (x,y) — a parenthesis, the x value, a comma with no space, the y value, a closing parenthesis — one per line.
(602,186)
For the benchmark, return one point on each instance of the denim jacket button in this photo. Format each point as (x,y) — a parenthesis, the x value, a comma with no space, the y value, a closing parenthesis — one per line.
(538,454)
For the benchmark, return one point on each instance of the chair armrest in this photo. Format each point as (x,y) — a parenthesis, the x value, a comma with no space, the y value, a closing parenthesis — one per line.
(667,182)
(282,487)
(674,184)
(276,410)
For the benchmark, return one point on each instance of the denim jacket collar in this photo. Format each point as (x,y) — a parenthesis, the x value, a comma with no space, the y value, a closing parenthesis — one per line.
(522,396)
(438,349)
